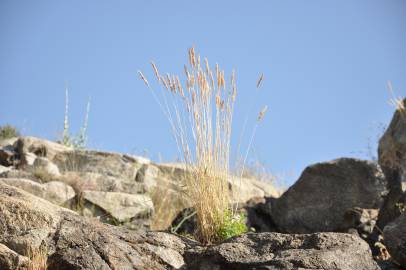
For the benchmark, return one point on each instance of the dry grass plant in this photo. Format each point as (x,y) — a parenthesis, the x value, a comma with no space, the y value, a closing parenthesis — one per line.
(38,259)
(200,114)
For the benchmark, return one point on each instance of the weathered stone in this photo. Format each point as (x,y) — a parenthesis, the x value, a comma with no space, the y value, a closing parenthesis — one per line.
(82,181)
(121,206)
(39,147)
(74,242)
(54,191)
(10,260)
(7,156)
(325,251)
(392,158)
(392,145)
(318,201)
(394,235)
(47,166)
(109,164)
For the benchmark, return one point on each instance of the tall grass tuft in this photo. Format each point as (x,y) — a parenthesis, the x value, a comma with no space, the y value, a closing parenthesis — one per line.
(200,113)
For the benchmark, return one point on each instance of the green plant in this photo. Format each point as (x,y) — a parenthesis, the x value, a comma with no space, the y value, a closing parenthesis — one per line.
(8,131)
(200,113)
(233,224)
(79,140)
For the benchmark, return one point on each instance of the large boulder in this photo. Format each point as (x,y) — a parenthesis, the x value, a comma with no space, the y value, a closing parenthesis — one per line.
(53,191)
(82,181)
(121,206)
(394,235)
(26,147)
(73,242)
(392,158)
(110,164)
(318,201)
(392,145)
(324,251)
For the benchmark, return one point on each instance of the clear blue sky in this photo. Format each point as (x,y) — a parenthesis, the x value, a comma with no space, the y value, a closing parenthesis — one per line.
(326,64)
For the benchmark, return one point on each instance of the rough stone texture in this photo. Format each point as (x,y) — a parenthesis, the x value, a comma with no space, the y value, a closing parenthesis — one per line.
(54,191)
(394,235)
(26,146)
(47,166)
(74,242)
(318,201)
(7,156)
(98,182)
(392,158)
(12,260)
(109,164)
(363,220)
(121,206)
(324,251)
(392,145)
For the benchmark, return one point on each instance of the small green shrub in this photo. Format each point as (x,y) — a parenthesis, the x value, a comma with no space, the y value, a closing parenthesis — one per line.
(8,131)
(232,225)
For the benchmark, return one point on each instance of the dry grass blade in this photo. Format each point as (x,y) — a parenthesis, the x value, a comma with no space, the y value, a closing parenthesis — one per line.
(397,102)
(259,82)
(143,78)
(262,113)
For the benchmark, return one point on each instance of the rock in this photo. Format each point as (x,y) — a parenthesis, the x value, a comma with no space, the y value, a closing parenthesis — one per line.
(9,259)
(318,201)
(392,158)
(8,142)
(74,242)
(26,147)
(392,145)
(7,156)
(323,251)
(47,166)
(363,220)
(54,191)
(394,235)
(4,170)
(244,189)
(109,164)
(121,206)
(82,181)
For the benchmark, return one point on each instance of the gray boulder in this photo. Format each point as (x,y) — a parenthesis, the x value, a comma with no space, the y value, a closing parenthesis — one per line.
(324,251)
(318,201)
(73,242)
(392,158)
(394,235)
(121,206)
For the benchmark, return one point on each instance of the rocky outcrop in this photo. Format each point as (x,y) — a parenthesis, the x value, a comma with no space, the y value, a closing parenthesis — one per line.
(318,201)
(392,158)
(392,145)
(395,239)
(113,175)
(281,251)
(73,242)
